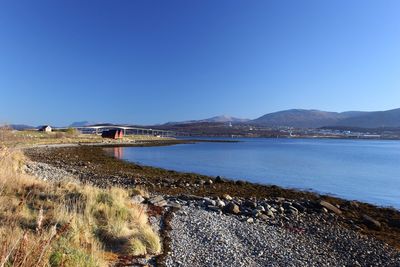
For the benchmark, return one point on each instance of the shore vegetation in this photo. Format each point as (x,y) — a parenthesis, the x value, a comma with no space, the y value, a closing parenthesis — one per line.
(66,223)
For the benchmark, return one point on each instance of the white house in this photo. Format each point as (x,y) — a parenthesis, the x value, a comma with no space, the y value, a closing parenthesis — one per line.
(46,128)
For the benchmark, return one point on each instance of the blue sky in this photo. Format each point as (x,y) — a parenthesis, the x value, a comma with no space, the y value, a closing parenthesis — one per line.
(156,61)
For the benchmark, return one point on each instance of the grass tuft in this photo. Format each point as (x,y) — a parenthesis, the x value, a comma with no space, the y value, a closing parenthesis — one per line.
(66,223)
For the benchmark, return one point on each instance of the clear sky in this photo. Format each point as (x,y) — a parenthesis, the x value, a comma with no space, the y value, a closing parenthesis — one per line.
(156,61)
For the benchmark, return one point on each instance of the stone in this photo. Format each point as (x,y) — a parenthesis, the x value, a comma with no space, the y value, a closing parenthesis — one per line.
(137,199)
(260,208)
(270,214)
(158,201)
(209,182)
(250,204)
(286,205)
(330,207)
(220,203)
(227,197)
(209,201)
(155,200)
(174,205)
(161,203)
(256,213)
(292,210)
(370,222)
(250,220)
(232,208)
(299,207)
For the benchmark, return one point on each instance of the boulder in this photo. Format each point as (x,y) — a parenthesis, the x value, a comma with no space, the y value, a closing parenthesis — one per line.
(250,204)
(174,205)
(220,203)
(155,199)
(232,208)
(209,201)
(370,222)
(158,201)
(330,207)
(264,217)
(299,207)
(161,203)
(227,197)
(286,205)
(292,210)
(209,182)
(270,214)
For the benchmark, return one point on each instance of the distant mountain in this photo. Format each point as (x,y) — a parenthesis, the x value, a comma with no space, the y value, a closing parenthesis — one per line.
(21,127)
(216,119)
(80,124)
(377,119)
(302,118)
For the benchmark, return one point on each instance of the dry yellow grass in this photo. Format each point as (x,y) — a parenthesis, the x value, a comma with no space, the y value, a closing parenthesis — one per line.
(66,224)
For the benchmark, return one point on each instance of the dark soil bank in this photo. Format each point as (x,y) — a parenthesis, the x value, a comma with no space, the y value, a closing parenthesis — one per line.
(94,165)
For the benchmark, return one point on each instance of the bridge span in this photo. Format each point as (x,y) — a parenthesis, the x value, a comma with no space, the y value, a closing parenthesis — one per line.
(128,130)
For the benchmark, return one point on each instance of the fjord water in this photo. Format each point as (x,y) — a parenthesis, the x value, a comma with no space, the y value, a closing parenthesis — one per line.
(365,170)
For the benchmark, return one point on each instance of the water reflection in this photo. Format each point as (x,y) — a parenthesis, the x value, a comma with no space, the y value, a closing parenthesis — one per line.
(118,152)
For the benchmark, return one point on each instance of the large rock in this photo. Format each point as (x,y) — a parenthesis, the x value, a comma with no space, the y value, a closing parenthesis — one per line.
(227,197)
(232,208)
(330,207)
(209,201)
(158,201)
(370,222)
(220,203)
(174,205)
(250,204)
(155,199)
(299,207)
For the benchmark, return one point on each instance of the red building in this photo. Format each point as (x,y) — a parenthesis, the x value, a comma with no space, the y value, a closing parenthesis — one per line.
(113,134)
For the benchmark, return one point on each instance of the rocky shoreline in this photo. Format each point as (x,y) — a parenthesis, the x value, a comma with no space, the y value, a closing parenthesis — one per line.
(244,224)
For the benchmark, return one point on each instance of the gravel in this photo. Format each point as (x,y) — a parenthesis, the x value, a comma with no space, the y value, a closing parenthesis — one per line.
(47,172)
(204,238)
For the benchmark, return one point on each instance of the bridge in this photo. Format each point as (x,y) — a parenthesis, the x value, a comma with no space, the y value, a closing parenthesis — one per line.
(128,130)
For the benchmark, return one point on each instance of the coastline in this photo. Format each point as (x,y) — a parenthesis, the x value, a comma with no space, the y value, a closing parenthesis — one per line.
(93,165)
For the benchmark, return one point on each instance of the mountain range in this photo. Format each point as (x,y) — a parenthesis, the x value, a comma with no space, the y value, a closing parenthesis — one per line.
(222,118)
(303,118)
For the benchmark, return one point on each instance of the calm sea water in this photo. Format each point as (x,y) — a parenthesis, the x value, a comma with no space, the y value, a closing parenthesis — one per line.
(368,171)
